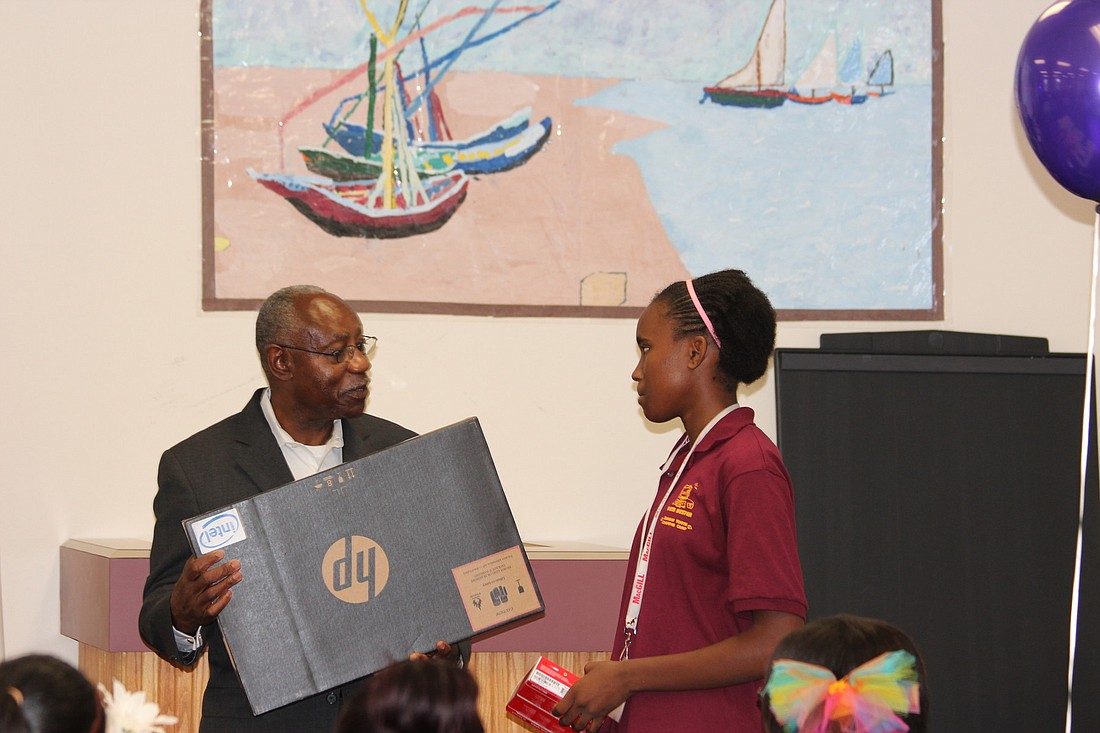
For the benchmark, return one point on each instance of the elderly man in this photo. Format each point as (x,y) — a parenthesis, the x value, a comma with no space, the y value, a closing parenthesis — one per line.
(310,419)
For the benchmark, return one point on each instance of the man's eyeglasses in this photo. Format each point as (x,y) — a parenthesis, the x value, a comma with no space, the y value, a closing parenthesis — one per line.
(344,355)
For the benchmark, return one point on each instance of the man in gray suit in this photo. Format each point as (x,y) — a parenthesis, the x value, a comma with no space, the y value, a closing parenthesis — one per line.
(309,419)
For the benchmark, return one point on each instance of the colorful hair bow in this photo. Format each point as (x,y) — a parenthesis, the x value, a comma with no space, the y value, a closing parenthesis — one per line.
(806,698)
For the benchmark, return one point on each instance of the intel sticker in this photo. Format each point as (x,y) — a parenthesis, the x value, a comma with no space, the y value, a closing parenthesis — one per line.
(220,530)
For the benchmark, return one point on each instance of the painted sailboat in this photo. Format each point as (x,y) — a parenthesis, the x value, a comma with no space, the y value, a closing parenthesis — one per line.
(357,208)
(399,202)
(816,84)
(341,166)
(481,153)
(851,76)
(882,76)
(506,145)
(762,81)
(503,146)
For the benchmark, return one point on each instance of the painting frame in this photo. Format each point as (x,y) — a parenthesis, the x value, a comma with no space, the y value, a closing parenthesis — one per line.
(213,301)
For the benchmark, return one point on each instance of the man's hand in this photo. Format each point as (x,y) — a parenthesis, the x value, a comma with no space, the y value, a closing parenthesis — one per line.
(203,590)
(442,650)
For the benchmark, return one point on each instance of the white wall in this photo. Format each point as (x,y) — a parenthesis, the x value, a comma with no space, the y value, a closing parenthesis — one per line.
(108,358)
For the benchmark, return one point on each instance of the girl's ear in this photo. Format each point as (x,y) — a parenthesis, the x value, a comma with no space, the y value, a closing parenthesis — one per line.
(698,350)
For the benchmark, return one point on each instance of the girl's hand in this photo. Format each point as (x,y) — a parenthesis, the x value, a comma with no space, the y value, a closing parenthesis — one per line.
(602,689)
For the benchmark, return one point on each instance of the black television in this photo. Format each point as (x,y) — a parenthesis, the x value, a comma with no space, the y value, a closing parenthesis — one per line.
(940,491)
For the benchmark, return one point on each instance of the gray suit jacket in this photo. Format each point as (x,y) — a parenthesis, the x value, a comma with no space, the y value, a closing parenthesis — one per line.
(227,462)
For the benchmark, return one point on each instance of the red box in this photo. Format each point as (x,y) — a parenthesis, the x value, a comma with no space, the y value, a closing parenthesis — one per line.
(534,699)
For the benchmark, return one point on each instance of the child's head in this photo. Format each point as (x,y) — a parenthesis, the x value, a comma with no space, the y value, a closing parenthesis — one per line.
(414,696)
(742,321)
(43,694)
(880,667)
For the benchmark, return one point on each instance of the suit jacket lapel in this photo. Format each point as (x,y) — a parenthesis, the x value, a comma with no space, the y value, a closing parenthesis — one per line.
(355,440)
(258,453)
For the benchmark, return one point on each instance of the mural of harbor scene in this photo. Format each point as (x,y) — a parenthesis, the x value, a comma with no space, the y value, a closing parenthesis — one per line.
(572,157)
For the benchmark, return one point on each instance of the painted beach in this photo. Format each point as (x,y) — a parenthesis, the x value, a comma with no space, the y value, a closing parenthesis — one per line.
(532,234)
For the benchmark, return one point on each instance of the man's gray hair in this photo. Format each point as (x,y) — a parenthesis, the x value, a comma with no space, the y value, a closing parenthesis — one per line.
(278,315)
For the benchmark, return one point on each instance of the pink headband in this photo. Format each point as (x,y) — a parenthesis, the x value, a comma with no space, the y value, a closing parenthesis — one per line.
(702,313)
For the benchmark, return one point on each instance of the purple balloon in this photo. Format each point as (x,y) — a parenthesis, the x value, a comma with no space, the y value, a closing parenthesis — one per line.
(1058,93)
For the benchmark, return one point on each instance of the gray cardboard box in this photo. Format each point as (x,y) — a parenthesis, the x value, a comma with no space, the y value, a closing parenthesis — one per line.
(349,571)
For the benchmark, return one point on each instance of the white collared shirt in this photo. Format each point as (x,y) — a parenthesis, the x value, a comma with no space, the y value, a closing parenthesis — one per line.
(304,460)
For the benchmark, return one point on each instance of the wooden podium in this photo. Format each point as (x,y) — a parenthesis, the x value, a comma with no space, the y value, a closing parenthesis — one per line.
(101,587)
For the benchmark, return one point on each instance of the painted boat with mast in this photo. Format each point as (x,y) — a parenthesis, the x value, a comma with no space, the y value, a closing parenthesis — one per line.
(851,76)
(507,145)
(817,82)
(356,208)
(399,202)
(504,146)
(762,81)
(881,76)
(341,166)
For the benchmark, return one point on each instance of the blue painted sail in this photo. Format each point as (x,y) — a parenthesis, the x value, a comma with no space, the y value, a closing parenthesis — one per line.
(851,76)
(851,69)
(882,74)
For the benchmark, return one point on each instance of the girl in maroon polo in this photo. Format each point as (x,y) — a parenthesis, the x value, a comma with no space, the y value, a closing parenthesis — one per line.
(714,580)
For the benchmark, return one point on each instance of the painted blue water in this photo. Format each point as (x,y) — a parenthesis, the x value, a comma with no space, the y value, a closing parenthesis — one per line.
(825,207)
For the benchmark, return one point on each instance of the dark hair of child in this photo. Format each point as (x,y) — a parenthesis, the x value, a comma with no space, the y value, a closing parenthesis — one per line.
(414,696)
(742,316)
(43,694)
